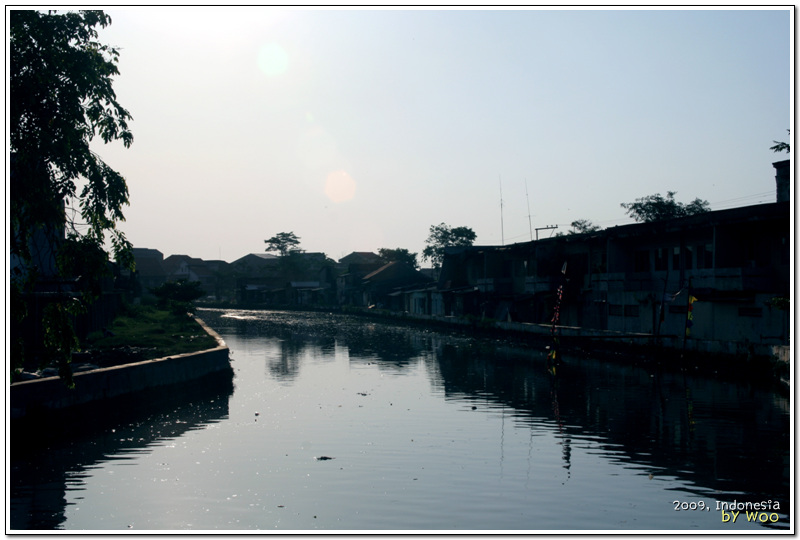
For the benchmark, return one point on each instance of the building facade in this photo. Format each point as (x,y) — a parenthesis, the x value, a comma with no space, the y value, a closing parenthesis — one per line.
(717,281)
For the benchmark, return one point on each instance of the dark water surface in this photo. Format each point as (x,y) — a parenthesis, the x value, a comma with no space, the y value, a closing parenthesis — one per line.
(424,431)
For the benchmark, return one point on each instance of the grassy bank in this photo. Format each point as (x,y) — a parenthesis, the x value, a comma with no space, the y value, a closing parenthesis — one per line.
(144,333)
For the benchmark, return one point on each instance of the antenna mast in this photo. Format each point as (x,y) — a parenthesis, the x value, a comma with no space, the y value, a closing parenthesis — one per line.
(527,198)
(502,231)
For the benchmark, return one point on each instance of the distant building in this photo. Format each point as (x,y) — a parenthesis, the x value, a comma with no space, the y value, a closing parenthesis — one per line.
(352,269)
(385,286)
(360,257)
(150,272)
(255,265)
(299,278)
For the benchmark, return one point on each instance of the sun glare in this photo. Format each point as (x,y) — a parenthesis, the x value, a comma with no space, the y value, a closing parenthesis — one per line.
(273,59)
(340,186)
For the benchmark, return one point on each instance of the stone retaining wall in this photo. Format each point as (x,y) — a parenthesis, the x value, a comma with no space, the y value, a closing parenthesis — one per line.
(42,395)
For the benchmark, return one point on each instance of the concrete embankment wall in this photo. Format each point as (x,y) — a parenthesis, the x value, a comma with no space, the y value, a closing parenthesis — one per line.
(48,394)
(781,354)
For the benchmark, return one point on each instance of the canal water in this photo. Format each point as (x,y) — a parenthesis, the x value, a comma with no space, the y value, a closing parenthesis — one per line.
(340,423)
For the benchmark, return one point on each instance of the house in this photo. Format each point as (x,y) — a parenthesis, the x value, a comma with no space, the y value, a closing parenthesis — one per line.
(150,272)
(352,269)
(732,264)
(384,287)
(180,267)
(297,278)
(184,267)
(312,279)
(481,281)
(255,264)
(425,301)
(360,257)
(308,293)
(220,282)
(256,275)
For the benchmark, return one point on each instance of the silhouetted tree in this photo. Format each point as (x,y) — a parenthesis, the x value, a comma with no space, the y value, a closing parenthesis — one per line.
(61,97)
(781,146)
(657,208)
(582,226)
(284,243)
(398,254)
(442,236)
(178,296)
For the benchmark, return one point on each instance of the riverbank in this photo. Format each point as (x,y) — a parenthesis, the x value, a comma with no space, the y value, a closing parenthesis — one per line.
(136,334)
(41,400)
(740,362)
(668,351)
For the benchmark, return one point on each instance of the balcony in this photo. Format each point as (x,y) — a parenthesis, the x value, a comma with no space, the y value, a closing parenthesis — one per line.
(495,285)
(720,279)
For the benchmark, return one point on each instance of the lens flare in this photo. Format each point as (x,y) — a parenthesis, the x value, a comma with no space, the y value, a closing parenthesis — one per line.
(273,60)
(340,186)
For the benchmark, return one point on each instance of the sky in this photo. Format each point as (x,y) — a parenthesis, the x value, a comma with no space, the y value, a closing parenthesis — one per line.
(359,129)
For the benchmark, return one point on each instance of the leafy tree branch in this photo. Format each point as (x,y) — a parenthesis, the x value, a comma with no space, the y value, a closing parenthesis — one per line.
(398,254)
(657,208)
(782,146)
(61,98)
(442,236)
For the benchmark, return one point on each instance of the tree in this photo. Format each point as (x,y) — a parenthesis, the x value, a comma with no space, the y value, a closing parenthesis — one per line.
(442,236)
(781,146)
(398,254)
(583,226)
(178,296)
(61,97)
(284,243)
(657,208)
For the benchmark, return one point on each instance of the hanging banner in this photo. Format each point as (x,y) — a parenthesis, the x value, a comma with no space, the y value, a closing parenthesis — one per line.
(689,314)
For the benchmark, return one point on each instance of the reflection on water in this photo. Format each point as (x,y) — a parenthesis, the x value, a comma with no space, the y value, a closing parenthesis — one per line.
(427,431)
(721,438)
(45,463)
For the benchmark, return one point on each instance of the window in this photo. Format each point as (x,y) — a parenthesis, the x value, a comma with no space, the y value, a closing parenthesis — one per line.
(641,261)
(676,258)
(705,256)
(750,312)
(615,310)
(632,310)
(687,256)
(661,259)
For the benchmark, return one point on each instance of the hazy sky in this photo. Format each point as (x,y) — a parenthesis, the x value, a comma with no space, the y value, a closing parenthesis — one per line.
(359,129)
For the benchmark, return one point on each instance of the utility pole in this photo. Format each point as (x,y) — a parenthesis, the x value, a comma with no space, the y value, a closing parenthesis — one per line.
(544,228)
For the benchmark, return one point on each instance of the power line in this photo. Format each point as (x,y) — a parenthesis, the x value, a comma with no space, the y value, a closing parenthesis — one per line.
(746,200)
(724,204)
